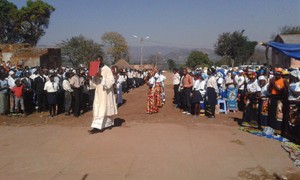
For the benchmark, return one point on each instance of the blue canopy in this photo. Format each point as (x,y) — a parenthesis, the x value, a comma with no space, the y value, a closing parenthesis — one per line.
(291,50)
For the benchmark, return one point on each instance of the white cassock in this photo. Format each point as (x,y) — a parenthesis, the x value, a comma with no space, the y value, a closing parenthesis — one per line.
(104,102)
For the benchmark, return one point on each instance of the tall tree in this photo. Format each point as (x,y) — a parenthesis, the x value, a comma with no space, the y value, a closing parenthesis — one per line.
(7,17)
(32,20)
(115,46)
(171,64)
(235,46)
(290,30)
(80,50)
(198,58)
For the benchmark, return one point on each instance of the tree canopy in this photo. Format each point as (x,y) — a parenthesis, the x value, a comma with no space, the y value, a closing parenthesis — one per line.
(235,46)
(25,25)
(115,46)
(290,30)
(80,50)
(7,16)
(198,58)
(171,64)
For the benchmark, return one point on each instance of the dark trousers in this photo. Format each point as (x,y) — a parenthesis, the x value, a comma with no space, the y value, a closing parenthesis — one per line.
(68,101)
(28,102)
(76,105)
(187,99)
(176,94)
(272,114)
(41,102)
(241,103)
(60,102)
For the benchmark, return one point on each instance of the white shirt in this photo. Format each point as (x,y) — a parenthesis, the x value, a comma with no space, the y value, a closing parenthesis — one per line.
(161,78)
(120,80)
(202,87)
(11,82)
(240,81)
(151,81)
(51,87)
(295,87)
(212,82)
(176,79)
(196,86)
(33,76)
(253,86)
(264,91)
(130,75)
(66,85)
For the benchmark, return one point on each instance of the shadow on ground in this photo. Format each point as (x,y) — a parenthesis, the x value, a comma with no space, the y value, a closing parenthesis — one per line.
(118,122)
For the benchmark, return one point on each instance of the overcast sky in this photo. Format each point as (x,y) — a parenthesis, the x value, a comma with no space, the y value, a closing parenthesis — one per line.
(180,23)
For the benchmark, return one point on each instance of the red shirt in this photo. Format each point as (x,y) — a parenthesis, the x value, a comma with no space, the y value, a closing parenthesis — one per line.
(18,91)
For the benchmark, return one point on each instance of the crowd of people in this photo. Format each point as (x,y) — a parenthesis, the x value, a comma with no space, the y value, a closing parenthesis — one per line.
(69,91)
(268,97)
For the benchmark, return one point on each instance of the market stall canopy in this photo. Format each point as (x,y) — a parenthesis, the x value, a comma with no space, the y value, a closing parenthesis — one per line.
(291,50)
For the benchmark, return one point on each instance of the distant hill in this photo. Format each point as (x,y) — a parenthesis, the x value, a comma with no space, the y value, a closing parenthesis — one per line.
(179,55)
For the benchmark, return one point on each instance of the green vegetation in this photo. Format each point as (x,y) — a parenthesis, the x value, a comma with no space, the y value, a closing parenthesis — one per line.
(198,58)
(171,64)
(81,50)
(290,30)
(26,25)
(235,46)
(115,46)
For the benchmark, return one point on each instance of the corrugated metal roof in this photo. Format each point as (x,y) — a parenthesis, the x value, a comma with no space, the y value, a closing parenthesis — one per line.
(290,38)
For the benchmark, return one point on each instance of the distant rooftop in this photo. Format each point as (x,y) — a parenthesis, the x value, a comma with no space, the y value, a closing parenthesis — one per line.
(288,38)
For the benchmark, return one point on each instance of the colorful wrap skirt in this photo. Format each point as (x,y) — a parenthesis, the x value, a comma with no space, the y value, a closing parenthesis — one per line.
(151,104)
(157,94)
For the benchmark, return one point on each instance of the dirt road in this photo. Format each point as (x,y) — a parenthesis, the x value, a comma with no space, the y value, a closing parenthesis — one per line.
(167,145)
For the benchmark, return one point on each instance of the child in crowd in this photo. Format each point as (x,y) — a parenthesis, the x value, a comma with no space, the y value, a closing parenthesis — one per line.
(18,93)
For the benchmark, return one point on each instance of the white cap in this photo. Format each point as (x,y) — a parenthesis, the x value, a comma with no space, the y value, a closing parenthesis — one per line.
(262,78)
(11,73)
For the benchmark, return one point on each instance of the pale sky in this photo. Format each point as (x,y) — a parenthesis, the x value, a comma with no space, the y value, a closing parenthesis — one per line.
(178,23)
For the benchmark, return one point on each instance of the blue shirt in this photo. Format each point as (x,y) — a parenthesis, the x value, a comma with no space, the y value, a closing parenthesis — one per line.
(3,83)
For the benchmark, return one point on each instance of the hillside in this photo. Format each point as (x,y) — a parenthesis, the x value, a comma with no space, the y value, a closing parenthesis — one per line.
(179,55)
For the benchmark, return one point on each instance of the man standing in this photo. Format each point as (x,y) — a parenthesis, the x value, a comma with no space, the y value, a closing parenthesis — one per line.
(28,93)
(176,83)
(104,102)
(68,93)
(75,84)
(38,86)
(187,84)
(61,92)
(240,84)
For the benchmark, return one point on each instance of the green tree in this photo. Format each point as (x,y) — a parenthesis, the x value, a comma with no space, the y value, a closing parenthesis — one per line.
(32,20)
(80,50)
(290,30)
(7,17)
(223,61)
(235,46)
(115,46)
(198,58)
(171,64)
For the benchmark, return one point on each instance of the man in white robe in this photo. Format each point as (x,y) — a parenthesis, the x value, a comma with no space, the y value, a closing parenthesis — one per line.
(104,106)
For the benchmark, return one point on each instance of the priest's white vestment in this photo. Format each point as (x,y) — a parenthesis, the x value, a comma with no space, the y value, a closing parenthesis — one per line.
(104,102)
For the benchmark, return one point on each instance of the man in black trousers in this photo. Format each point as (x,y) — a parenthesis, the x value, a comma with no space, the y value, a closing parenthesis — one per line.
(75,84)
